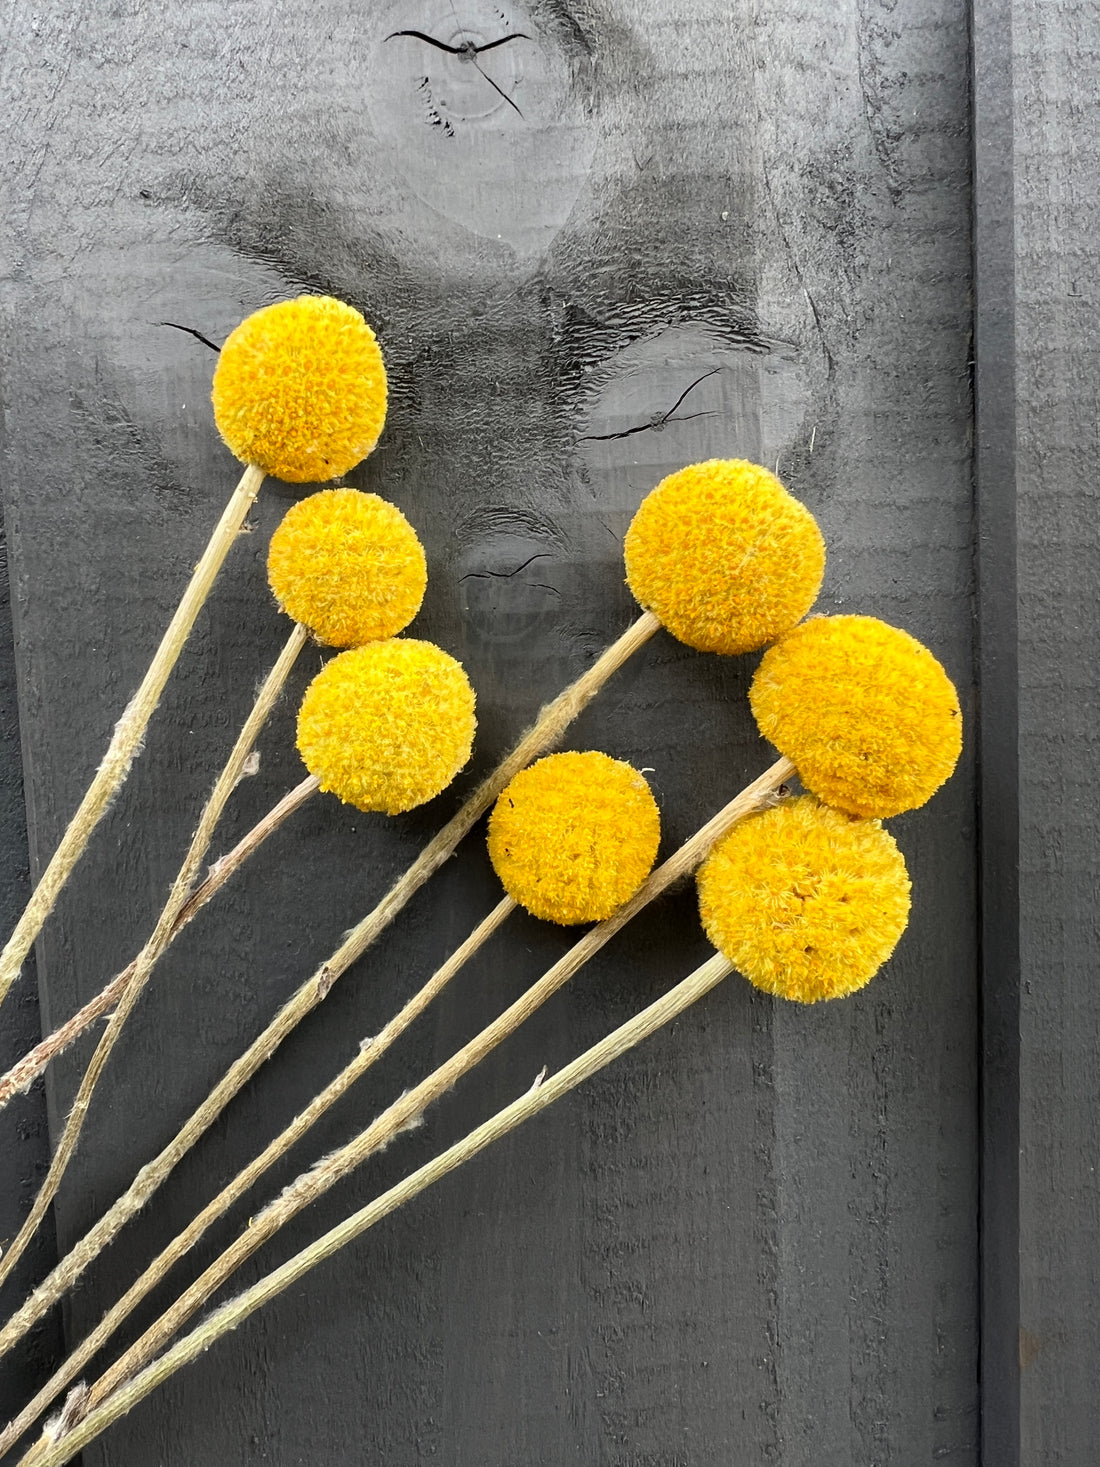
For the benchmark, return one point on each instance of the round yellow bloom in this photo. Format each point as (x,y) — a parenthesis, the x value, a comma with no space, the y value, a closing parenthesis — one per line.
(865,711)
(806,901)
(388,725)
(348,566)
(724,556)
(300,389)
(574,836)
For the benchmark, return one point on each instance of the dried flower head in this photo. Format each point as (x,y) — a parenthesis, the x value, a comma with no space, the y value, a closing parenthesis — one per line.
(864,710)
(348,566)
(806,901)
(574,836)
(300,389)
(387,725)
(724,556)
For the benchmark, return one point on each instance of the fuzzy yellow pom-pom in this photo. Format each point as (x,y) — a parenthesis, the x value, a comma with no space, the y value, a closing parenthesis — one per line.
(574,836)
(865,711)
(806,901)
(724,556)
(348,566)
(300,389)
(388,725)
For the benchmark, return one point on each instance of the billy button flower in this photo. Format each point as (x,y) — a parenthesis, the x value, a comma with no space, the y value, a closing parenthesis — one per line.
(574,836)
(806,901)
(388,725)
(300,390)
(349,566)
(865,711)
(724,556)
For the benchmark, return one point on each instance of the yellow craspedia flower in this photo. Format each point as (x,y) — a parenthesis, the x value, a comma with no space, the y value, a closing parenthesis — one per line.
(574,836)
(348,566)
(806,901)
(724,556)
(388,725)
(864,710)
(300,389)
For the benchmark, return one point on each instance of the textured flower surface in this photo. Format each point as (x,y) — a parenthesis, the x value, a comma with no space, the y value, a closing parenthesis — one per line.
(348,566)
(864,710)
(574,836)
(806,901)
(300,389)
(724,556)
(387,725)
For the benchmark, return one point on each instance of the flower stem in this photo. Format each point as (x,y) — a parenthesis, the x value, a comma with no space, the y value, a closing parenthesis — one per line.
(53,1452)
(126,739)
(370,1051)
(410,1106)
(162,936)
(26,1070)
(552,722)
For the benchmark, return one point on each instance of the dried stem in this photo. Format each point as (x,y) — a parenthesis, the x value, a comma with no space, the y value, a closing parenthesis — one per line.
(552,722)
(409,1107)
(54,1449)
(163,933)
(25,1071)
(129,731)
(370,1051)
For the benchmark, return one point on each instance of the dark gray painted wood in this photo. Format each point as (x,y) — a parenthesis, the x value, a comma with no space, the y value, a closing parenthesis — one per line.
(755,1239)
(995,482)
(1057,357)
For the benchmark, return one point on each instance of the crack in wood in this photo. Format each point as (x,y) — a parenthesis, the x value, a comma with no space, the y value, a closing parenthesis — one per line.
(659,420)
(469,50)
(506,575)
(191,332)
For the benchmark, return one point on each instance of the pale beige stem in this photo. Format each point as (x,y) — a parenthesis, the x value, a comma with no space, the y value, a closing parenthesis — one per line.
(128,733)
(52,1451)
(552,722)
(146,960)
(370,1051)
(410,1106)
(25,1071)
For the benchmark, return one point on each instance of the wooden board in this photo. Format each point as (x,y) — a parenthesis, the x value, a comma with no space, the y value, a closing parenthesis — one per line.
(755,1239)
(1056,165)
(999,751)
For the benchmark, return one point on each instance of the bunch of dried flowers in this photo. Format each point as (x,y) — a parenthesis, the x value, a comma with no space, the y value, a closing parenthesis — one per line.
(805,896)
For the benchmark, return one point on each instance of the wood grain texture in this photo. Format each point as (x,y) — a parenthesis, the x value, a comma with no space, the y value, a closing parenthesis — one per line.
(1056,173)
(755,1238)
